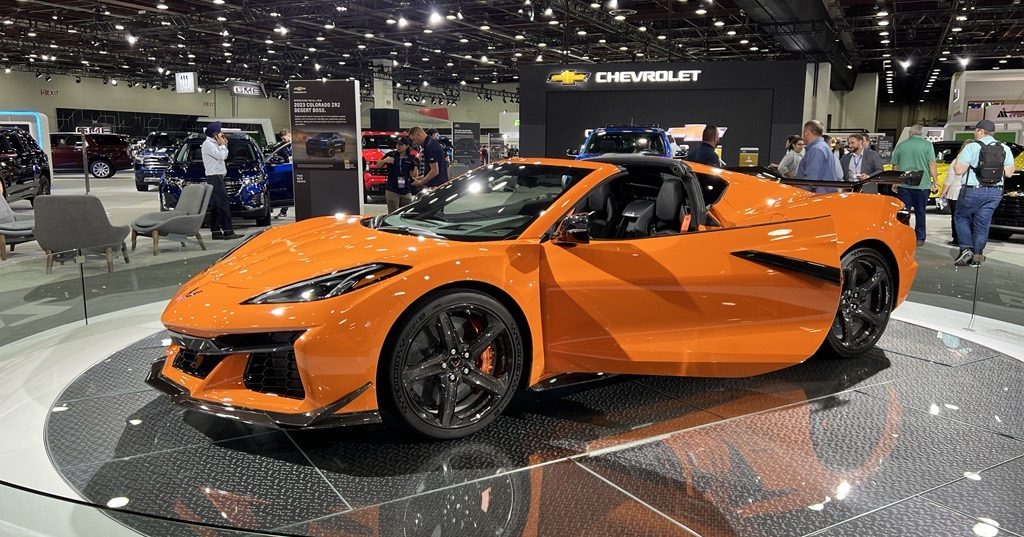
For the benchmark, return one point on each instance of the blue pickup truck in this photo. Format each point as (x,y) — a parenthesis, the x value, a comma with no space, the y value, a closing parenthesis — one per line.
(627,139)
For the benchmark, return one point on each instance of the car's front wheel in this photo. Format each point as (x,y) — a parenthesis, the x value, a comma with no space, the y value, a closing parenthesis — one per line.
(453,366)
(867,300)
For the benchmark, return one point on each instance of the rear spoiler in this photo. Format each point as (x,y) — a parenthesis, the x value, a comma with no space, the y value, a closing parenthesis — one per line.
(887,177)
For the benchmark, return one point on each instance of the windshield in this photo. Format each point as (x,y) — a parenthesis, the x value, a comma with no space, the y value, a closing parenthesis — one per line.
(624,142)
(488,203)
(165,140)
(239,151)
(379,141)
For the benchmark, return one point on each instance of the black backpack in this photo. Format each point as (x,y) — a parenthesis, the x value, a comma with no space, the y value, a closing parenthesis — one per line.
(989,170)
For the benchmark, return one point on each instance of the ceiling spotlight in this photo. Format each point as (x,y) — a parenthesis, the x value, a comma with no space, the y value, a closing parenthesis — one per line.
(161,6)
(131,39)
(719,23)
(330,25)
(702,11)
(402,22)
(281,30)
(581,32)
(48,77)
(964,61)
(485,27)
(548,12)
(39,75)
(113,82)
(435,18)
(905,64)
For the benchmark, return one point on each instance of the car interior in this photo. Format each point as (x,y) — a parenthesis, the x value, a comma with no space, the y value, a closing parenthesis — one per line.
(648,201)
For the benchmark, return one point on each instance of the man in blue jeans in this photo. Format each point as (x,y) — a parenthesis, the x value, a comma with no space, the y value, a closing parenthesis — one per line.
(916,154)
(981,190)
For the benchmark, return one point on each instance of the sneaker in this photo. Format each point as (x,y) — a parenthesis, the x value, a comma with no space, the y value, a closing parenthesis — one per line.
(964,258)
(920,243)
(216,235)
(227,236)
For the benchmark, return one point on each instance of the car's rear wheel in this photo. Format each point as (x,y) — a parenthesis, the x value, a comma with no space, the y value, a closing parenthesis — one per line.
(867,300)
(454,366)
(330,152)
(141,186)
(101,169)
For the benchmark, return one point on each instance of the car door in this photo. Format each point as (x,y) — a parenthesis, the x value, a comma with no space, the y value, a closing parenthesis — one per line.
(722,302)
(66,150)
(279,174)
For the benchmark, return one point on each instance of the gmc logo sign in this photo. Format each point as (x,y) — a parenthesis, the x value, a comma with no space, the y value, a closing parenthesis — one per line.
(246,89)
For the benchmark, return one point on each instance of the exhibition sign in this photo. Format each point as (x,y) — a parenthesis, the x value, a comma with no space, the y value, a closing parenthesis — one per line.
(325,152)
(466,141)
(185,82)
(239,88)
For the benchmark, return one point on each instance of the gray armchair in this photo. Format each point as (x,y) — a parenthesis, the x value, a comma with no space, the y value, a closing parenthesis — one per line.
(67,223)
(179,224)
(14,228)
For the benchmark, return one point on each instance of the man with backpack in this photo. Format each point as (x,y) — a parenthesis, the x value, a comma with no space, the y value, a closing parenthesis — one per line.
(986,163)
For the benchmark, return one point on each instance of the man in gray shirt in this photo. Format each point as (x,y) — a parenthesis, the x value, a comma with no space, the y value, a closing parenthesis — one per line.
(861,162)
(215,152)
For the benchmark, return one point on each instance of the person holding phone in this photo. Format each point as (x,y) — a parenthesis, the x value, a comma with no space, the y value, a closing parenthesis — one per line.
(402,171)
(215,154)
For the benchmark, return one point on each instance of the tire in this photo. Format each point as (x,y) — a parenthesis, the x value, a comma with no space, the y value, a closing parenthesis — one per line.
(264,219)
(426,362)
(999,234)
(141,187)
(101,169)
(867,300)
(331,152)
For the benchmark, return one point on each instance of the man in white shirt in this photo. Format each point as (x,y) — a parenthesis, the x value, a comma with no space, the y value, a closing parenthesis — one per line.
(983,164)
(215,153)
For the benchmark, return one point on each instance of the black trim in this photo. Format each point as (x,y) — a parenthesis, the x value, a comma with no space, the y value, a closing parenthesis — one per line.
(569,379)
(320,418)
(833,275)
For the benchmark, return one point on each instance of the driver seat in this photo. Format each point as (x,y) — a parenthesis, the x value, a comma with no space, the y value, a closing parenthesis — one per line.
(667,208)
(599,203)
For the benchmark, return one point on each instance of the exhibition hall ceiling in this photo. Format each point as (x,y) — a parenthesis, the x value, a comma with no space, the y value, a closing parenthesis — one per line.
(459,46)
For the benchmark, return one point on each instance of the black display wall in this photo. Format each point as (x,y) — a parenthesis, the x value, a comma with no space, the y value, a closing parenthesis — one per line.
(130,123)
(760,102)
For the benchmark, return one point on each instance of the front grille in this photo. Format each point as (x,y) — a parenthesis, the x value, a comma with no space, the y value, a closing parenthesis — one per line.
(155,162)
(274,372)
(232,186)
(197,365)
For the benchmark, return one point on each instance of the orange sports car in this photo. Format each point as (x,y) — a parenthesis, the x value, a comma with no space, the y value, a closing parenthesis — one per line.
(530,273)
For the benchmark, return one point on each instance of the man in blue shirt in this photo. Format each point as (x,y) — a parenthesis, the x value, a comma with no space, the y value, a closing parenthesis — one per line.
(434,159)
(705,152)
(977,202)
(817,163)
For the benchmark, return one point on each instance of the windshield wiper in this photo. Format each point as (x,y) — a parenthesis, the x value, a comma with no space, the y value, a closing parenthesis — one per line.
(409,230)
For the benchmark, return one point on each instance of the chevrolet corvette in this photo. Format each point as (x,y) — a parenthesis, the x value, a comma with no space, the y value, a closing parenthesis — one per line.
(531,274)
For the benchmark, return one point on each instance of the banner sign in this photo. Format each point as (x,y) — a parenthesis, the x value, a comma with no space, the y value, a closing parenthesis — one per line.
(326,156)
(94,130)
(466,141)
(240,88)
(573,78)
(185,83)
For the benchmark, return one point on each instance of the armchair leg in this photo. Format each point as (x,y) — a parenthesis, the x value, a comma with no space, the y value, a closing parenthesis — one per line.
(156,242)
(124,252)
(135,235)
(3,247)
(199,237)
(110,258)
(49,261)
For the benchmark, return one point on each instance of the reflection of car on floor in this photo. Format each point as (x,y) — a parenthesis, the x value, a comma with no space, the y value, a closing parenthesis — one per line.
(526,271)
(21,162)
(625,140)
(106,153)
(246,180)
(325,143)
(155,157)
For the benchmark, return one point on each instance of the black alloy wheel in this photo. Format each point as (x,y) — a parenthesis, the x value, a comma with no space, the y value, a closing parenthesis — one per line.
(454,366)
(264,220)
(867,300)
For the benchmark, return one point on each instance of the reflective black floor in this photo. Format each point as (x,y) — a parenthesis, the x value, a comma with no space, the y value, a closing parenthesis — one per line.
(922,436)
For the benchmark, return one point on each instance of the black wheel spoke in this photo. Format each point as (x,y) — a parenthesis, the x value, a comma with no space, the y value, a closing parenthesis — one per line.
(870,318)
(852,275)
(449,398)
(485,382)
(845,323)
(425,369)
(872,283)
(447,330)
(485,339)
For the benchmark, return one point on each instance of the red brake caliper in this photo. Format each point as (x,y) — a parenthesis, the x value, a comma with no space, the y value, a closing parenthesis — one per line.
(485,362)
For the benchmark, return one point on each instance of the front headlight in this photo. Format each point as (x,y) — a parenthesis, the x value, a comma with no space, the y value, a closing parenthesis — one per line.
(329,285)
(174,180)
(251,179)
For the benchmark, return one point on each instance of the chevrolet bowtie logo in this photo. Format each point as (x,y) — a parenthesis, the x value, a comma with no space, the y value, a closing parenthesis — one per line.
(568,77)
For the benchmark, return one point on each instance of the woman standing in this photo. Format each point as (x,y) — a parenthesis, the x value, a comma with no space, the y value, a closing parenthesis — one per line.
(794,152)
(402,170)
(951,192)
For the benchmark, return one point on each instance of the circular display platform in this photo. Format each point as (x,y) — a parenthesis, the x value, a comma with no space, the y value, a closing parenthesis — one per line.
(586,460)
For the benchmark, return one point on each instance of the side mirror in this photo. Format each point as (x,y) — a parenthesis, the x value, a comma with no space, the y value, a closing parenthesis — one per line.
(573,229)
(572,152)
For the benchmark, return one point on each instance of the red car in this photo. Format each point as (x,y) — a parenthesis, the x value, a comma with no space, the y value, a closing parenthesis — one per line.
(375,145)
(107,153)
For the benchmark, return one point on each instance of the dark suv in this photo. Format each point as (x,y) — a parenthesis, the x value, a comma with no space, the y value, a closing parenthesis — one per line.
(24,170)
(325,143)
(246,180)
(155,157)
(107,153)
